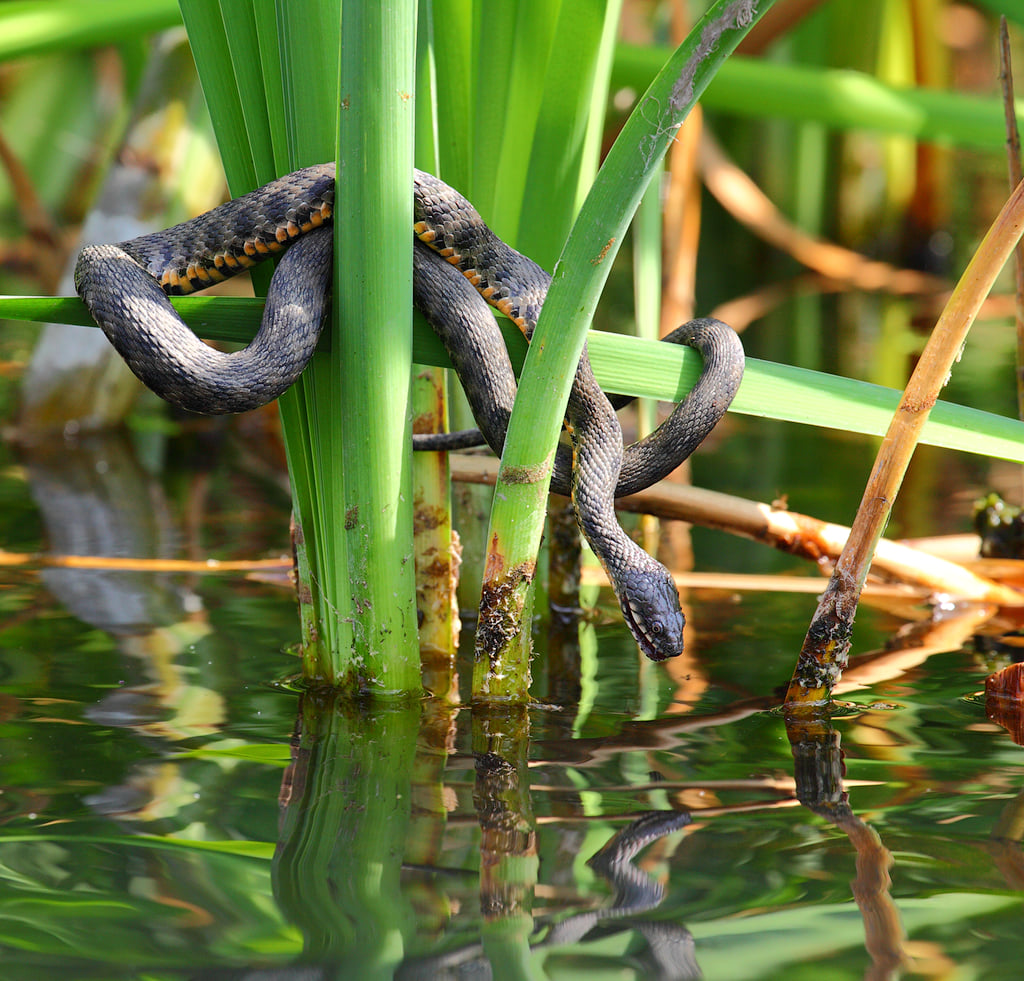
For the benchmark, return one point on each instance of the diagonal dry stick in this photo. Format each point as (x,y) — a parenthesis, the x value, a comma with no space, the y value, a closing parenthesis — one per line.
(827,644)
(736,191)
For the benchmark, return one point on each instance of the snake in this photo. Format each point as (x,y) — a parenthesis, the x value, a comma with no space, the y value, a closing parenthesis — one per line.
(460,267)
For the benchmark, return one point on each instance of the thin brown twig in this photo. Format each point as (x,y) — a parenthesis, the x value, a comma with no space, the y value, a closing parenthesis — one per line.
(747,203)
(1014,168)
(121,563)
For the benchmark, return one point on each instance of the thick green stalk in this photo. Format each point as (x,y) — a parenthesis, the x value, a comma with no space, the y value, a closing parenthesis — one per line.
(272,77)
(519,501)
(299,52)
(373,275)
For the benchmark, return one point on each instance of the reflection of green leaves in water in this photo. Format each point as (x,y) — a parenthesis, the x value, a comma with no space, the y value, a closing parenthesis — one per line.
(73,905)
(110,901)
(270,753)
(263,850)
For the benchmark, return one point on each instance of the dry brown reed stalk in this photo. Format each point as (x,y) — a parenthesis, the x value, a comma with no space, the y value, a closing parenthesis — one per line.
(827,644)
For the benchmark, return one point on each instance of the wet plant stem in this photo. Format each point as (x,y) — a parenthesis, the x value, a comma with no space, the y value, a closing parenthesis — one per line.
(373,338)
(517,514)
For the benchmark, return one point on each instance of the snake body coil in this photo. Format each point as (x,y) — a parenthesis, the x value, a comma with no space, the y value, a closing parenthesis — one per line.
(125,287)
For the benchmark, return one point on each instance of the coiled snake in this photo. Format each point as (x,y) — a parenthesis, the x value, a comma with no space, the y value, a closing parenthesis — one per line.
(125,287)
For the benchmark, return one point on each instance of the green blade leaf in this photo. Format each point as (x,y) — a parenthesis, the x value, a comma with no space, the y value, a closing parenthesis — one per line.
(633,366)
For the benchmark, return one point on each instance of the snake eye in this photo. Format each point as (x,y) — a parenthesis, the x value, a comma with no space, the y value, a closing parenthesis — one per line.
(657,628)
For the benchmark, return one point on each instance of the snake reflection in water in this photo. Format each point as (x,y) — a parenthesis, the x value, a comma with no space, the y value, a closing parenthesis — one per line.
(458,265)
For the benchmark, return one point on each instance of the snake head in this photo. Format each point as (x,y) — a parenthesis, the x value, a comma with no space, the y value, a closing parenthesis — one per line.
(651,611)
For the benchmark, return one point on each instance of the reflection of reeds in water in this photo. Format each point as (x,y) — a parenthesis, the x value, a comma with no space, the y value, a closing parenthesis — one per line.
(97,501)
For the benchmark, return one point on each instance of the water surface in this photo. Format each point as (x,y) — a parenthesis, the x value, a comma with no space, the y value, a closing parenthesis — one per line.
(171,810)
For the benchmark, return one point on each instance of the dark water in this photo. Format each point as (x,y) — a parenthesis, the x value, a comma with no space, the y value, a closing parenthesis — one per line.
(170,810)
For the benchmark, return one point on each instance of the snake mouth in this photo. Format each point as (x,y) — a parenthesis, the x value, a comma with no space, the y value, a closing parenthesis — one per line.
(641,635)
(656,626)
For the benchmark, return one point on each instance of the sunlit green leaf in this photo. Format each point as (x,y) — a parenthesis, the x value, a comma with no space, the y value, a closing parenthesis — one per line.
(35,26)
(631,366)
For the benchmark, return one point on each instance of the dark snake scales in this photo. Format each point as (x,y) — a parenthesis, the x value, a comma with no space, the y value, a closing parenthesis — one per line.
(125,287)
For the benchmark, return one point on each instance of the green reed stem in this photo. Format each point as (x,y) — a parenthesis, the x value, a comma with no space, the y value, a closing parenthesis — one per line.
(519,501)
(271,73)
(300,47)
(540,166)
(373,275)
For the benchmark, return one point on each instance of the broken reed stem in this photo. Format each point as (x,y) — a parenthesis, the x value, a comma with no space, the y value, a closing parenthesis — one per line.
(789,531)
(827,644)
